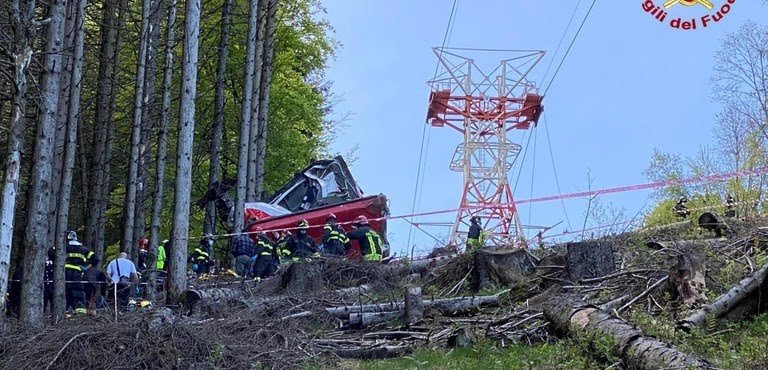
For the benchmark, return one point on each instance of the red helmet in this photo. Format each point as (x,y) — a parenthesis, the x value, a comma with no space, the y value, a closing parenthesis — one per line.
(362,220)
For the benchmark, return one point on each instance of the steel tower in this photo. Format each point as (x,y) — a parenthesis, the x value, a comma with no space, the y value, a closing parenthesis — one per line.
(484,105)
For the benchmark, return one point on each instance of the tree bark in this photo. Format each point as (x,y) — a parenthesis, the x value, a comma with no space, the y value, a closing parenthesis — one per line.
(146,126)
(243,150)
(70,142)
(138,101)
(62,112)
(414,306)
(638,351)
(251,194)
(266,82)
(162,147)
(218,119)
(445,305)
(365,319)
(688,279)
(36,240)
(181,207)
(23,33)
(728,301)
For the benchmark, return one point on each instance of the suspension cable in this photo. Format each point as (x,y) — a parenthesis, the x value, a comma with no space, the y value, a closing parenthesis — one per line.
(567,51)
(562,38)
(422,155)
(554,169)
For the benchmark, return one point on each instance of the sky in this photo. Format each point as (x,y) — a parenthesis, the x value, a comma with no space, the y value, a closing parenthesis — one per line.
(630,84)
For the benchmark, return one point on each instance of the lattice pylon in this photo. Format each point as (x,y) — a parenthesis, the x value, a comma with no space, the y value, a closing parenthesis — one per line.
(484,107)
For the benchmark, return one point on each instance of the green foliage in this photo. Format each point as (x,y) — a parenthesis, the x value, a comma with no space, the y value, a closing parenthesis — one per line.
(664,214)
(564,354)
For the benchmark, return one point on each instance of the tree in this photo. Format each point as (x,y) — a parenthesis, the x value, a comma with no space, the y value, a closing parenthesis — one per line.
(258,84)
(242,161)
(70,141)
(218,118)
(181,206)
(269,58)
(23,31)
(139,100)
(162,145)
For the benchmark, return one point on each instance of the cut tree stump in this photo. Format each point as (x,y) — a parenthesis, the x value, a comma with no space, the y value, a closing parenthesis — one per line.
(414,306)
(589,260)
(687,276)
(742,293)
(505,267)
(572,315)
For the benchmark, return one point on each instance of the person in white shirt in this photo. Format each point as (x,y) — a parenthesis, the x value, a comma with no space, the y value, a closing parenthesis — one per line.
(123,273)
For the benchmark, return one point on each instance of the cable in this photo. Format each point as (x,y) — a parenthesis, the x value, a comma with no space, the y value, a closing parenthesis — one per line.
(533,173)
(525,153)
(554,169)
(570,46)
(422,155)
(562,38)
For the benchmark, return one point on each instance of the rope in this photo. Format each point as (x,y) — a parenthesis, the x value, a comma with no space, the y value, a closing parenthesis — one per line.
(570,46)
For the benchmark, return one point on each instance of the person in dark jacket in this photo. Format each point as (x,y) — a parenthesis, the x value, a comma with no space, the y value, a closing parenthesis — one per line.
(242,248)
(266,261)
(335,240)
(301,245)
(681,208)
(369,240)
(73,267)
(14,292)
(201,256)
(475,240)
(730,212)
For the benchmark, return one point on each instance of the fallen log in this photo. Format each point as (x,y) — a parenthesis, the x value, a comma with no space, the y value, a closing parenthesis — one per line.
(354,291)
(570,314)
(189,298)
(364,319)
(728,301)
(445,305)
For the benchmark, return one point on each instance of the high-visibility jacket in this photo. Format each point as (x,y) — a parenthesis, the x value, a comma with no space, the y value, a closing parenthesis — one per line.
(76,258)
(370,243)
(265,246)
(302,246)
(160,264)
(475,237)
(335,240)
(199,255)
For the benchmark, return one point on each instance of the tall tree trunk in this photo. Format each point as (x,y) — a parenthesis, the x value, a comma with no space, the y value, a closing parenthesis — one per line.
(162,146)
(138,101)
(218,120)
(62,110)
(149,93)
(180,237)
(68,164)
(251,195)
(36,241)
(23,33)
(266,82)
(242,159)
(103,124)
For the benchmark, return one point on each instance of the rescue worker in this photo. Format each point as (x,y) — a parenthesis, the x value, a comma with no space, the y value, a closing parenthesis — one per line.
(266,251)
(369,240)
(143,253)
(282,254)
(201,256)
(335,240)
(301,245)
(242,248)
(162,255)
(681,209)
(73,273)
(475,237)
(90,256)
(729,203)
